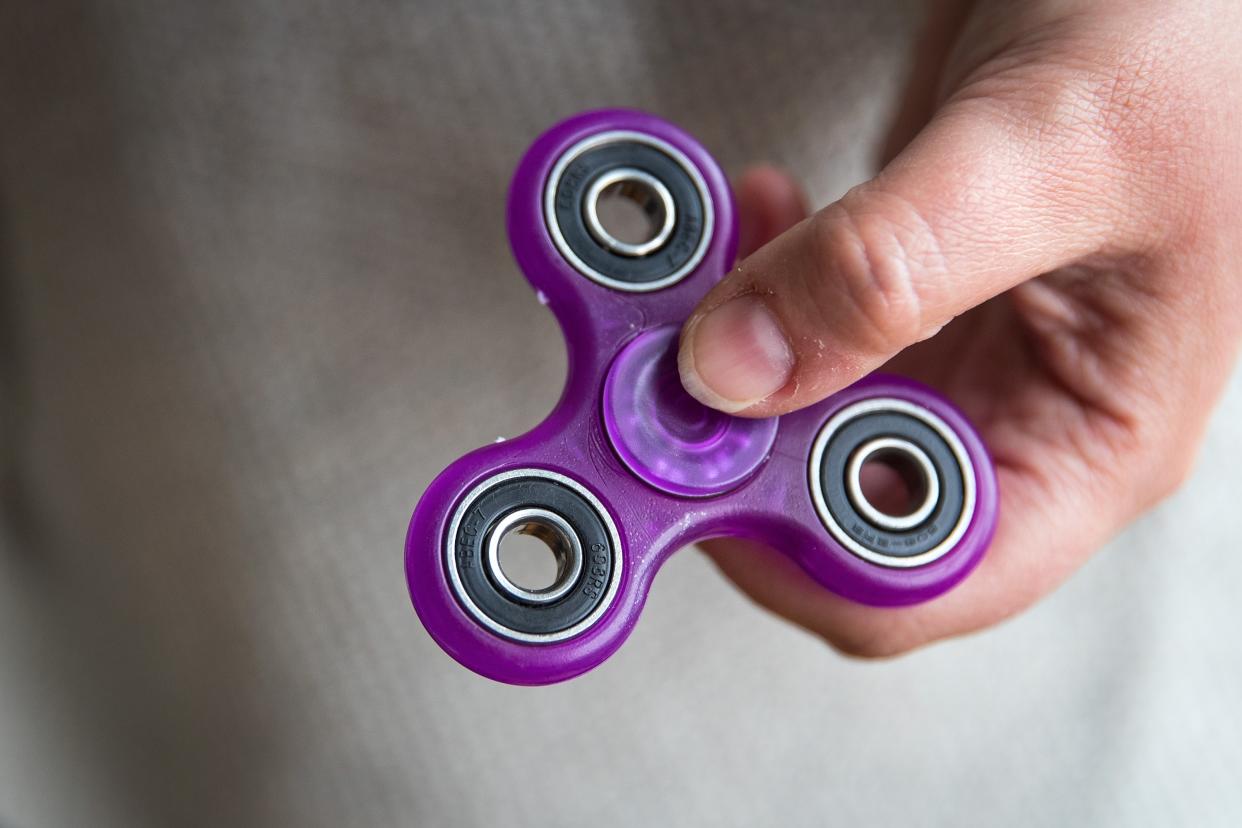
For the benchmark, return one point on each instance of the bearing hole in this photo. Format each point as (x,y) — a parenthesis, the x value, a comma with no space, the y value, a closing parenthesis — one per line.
(534,556)
(631,211)
(893,483)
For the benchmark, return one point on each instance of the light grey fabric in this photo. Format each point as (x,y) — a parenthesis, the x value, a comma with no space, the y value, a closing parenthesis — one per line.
(257,293)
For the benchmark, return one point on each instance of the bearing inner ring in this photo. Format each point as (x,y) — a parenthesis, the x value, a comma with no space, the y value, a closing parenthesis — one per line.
(560,538)
(570,207)
(859,432)
(901,450)
(559,510)
(646,191)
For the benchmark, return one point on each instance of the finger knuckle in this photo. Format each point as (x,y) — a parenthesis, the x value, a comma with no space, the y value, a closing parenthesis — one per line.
(867,645)
(1091,102)
(1128,100)
(864,283)
(1174,473)
(1151,457)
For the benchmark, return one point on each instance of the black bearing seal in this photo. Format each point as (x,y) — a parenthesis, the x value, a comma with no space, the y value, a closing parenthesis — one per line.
(505,613)
(663,266)
(899,544)
(865,422)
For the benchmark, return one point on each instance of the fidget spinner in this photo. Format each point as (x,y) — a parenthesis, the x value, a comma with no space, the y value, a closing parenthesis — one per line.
(628,467)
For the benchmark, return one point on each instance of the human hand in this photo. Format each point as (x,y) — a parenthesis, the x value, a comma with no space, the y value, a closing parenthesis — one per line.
(1053,245)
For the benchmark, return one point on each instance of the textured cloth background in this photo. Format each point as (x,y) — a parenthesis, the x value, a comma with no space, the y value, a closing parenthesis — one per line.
(257,292)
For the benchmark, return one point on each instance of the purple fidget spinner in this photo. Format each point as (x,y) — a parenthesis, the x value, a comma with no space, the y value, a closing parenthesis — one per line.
(629,468)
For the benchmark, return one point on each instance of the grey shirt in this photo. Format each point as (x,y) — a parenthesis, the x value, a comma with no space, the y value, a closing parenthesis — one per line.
(256,293)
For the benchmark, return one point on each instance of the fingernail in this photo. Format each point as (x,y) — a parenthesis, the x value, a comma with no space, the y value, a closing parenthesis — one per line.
(735,356)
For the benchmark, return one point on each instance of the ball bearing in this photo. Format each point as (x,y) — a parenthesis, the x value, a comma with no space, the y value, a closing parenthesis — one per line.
(658,177)
(897,430)
(569,519)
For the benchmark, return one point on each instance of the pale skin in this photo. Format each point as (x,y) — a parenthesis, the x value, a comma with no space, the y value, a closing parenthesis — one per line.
(1053,243)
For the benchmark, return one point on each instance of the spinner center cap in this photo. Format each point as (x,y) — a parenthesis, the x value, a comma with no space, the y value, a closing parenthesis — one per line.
(666,437)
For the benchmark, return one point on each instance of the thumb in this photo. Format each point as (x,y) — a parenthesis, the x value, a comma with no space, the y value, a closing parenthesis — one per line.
(988,195)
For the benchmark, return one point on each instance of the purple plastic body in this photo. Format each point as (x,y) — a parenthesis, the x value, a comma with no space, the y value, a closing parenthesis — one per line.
(723,476)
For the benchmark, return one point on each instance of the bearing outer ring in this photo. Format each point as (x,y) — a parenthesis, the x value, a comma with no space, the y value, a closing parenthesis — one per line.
(458,588)
(566,249)
(879,405)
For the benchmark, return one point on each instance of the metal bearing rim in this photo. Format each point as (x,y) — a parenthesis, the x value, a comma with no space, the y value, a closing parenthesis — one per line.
(612,137)
(933,421)
(628,175)
(459,590)
(895,445)
(567,571)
